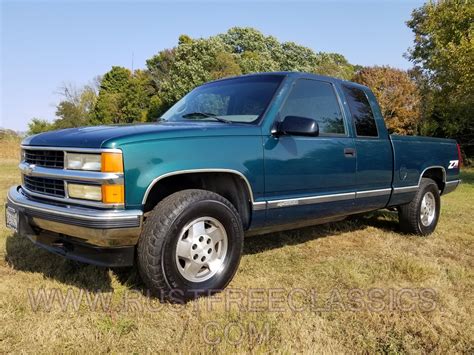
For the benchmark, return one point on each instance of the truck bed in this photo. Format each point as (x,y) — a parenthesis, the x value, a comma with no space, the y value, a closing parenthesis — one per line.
(414,155)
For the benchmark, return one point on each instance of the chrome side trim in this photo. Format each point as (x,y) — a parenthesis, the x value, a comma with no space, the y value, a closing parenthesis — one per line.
(258,206)
(191,171)
(76,175)
(310,200)
(73,149)
(414,188)
(327,198)
(74,201)
(450,186)
(373,193)
(405,189)
(453,182)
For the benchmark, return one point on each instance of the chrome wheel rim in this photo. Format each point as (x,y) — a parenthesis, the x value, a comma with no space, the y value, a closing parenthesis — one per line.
(201,249)
(428,209)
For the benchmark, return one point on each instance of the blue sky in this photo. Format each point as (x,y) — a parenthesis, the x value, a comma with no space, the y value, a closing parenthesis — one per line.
(46,44)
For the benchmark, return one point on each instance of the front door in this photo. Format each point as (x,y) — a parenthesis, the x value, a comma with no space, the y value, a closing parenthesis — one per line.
(311,177)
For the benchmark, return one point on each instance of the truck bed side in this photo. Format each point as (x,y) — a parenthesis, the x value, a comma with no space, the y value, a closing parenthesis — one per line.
(416,157)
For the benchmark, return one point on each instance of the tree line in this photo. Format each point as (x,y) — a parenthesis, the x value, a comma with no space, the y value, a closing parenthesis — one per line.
(434,98)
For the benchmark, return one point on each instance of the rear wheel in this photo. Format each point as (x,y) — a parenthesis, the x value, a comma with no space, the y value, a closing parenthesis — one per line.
(191,245)
(421,215)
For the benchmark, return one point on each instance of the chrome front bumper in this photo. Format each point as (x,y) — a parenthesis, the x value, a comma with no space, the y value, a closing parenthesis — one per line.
(95,227)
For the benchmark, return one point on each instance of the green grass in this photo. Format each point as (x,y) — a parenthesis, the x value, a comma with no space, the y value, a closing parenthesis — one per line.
(359,254)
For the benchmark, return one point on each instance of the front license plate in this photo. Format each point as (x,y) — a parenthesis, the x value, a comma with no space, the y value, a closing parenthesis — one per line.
(11,218)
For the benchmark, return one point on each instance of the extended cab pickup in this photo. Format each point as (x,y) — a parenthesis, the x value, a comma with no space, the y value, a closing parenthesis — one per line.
(234,157)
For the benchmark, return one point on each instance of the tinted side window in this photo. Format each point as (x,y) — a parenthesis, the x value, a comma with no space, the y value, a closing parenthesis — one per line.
(317,100)
(361,112)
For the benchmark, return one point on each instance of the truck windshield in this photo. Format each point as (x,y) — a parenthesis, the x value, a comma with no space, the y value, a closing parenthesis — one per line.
(241,100)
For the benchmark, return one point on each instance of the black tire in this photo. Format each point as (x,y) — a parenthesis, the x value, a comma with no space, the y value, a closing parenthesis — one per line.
(157,260)
(410,214)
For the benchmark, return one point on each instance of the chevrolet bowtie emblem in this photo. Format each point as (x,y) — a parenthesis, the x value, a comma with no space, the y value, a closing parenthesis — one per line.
(29,169)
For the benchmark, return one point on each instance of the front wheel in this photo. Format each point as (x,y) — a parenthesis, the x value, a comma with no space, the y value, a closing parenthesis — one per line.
(191,245)
(421,215)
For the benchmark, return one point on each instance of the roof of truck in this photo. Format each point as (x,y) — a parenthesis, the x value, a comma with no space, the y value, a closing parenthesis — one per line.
(295,75)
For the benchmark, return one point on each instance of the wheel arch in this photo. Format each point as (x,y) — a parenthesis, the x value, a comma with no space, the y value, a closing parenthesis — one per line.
(231,184)
(436,173)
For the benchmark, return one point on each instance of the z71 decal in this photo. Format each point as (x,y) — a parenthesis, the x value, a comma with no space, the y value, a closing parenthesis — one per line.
(453,164)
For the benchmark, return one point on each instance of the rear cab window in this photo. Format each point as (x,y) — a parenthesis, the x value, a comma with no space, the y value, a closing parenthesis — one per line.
(361,111)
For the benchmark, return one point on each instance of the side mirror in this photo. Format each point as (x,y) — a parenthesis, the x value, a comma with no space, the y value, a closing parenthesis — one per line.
(299,126)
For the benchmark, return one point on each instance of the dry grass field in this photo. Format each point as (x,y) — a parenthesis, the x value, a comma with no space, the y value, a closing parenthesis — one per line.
(352,286)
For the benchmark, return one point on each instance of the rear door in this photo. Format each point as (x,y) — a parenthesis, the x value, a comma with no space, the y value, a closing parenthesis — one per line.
(374,150)
(311,177)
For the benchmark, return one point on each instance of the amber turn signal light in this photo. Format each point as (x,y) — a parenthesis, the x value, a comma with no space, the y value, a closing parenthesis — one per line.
(112,163)
(112,194)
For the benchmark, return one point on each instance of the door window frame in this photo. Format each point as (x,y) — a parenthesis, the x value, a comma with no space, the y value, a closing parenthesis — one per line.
(346,133)
(352,116)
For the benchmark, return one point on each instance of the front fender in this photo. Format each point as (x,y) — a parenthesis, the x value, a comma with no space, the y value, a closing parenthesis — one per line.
(146,162)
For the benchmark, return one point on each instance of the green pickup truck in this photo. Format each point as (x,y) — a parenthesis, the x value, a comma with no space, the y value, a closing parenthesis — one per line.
(238,156)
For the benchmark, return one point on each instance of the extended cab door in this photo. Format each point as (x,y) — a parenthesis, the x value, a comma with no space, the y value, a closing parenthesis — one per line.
(310,177)
(373,147)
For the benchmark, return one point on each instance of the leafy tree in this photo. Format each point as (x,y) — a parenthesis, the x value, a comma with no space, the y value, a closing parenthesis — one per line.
(195,62)
(397,95)
(334,64)
(159,67)
(258,52)
(38,125)
(297,58)
(137,96)
(238,51)
(77,106)
(443,53)
(110,102)
(225,66)
(124,97)
(74,110)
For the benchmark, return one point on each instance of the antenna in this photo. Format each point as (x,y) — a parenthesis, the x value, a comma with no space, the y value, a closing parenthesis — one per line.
(132,62)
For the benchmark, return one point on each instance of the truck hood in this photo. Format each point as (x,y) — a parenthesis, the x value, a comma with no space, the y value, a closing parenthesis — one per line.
(114,135)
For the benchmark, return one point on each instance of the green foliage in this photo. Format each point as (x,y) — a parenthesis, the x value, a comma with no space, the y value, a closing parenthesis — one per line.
(124,97)
(38,125)
(238,51)
(225,66)
(334,64)
(194,63)
(110,103)
(298,58)
(397,94)
(443,54)
(76,108)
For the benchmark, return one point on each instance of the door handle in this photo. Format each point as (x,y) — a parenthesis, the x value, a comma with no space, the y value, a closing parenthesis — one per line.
(349,152)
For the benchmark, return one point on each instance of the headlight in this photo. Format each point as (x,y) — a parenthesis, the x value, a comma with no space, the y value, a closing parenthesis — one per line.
(85,192)
(104,193)
(91,162)
(108,162)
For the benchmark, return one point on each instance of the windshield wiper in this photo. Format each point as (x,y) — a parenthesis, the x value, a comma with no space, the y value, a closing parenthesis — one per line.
(198,115)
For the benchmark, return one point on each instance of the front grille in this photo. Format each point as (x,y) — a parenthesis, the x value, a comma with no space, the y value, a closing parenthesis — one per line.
(45,158)
(51,187)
